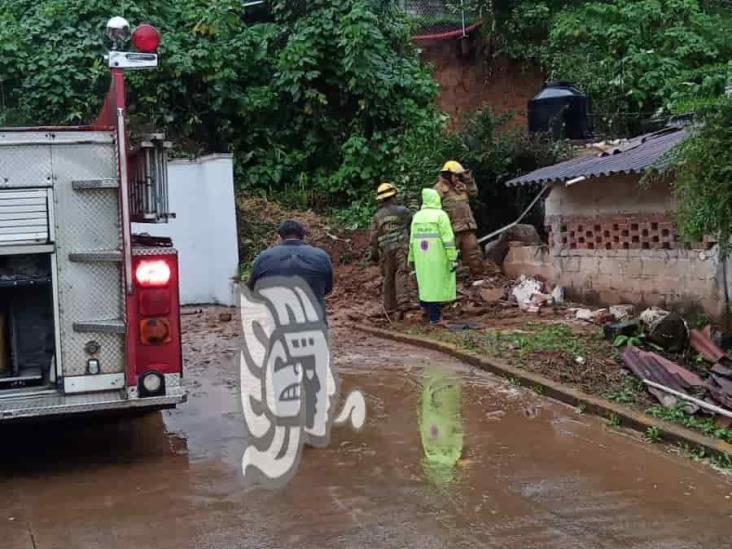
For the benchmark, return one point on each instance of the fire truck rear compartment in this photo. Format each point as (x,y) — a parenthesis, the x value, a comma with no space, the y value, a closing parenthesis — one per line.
(27,342)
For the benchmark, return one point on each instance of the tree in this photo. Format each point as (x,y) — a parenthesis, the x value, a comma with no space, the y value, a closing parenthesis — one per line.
(319,96)
(702,168)
(637,58)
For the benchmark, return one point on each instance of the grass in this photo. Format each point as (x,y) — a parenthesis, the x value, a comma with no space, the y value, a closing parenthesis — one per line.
(514,381)
(678,415)
(613,420)
(653,434)
(629,394)
(520,345)
(722,462)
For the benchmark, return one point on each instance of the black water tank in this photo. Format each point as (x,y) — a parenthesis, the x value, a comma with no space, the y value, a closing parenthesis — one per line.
(561,110)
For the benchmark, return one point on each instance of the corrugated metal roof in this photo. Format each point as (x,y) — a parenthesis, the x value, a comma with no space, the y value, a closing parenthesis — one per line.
(634,156)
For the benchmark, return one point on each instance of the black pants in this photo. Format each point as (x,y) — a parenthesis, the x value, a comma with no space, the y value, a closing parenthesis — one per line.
(432,310)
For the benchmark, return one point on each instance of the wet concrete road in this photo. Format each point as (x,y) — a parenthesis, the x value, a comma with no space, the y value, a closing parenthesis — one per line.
(532,474)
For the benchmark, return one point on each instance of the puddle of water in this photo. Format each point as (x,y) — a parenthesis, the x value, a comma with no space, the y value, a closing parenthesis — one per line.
(449,457)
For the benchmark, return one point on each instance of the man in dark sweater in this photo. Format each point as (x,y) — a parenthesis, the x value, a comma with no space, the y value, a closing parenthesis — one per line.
(292,257)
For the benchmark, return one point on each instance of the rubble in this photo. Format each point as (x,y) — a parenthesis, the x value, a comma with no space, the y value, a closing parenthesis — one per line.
(703,345)
(653,367)
(622,312)
(524,235)
(524,291)
(627,328)
(669,332)
(583,314)
(558,294)
(602,316)
(491,295)
(651,315)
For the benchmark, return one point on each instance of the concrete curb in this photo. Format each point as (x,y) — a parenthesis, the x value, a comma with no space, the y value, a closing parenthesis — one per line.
(592,404)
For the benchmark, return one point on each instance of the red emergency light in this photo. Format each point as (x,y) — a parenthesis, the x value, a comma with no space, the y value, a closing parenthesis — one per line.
(146,39)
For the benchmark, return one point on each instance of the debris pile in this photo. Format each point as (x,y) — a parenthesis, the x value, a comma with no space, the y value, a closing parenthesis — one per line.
(530,294)
(707,390)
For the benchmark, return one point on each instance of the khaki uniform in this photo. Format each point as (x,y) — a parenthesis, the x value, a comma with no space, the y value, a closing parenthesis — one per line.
(456,202)
(389,243)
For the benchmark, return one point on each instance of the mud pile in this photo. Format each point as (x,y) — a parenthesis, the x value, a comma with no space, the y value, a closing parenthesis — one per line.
(356,295)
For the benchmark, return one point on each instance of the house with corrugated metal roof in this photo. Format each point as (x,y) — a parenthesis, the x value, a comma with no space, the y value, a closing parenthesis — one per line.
(611,239)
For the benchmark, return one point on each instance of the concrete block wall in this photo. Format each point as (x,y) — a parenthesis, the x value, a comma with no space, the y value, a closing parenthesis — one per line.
(679,279)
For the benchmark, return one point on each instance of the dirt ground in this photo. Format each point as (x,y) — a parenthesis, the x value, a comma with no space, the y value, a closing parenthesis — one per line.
(529,472)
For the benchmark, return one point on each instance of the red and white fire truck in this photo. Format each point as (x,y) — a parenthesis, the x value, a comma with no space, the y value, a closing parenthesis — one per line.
(89,311)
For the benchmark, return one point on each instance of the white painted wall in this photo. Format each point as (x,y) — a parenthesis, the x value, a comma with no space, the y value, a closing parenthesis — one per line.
(201,194)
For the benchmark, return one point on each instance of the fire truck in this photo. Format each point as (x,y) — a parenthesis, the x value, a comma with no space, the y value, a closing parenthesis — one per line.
(89,311)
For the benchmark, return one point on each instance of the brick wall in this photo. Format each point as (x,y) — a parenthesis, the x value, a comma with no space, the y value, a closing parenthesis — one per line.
(621,232)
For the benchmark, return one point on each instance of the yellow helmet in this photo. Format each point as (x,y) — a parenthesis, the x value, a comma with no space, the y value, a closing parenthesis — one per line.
(385,190)
(453,167)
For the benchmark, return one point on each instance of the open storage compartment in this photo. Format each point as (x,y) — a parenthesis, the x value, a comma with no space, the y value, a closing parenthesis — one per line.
(27,342)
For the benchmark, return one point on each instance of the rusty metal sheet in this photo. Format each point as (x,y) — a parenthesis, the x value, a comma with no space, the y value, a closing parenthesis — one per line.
(705,346)
(654,367)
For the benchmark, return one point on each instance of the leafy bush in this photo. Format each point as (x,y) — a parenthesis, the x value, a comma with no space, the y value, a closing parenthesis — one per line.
(703,177)
(637,58)
(321,98)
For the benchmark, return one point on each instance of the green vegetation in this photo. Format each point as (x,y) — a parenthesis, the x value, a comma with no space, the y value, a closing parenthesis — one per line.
(636,58)
(629,394)
(704,425)
(325,101)
(722,462)
(640,57)
(613,420)
(624,340)
(703,177)
(653,434)
(319,101)
(545,337)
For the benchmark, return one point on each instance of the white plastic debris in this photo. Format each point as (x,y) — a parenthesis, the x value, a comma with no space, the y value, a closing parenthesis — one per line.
(580,360)
(652,314)
(524,290)
(583,314)
(558,294)
(622,312)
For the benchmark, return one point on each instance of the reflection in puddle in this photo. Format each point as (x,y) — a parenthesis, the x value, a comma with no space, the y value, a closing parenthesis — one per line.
(440,426)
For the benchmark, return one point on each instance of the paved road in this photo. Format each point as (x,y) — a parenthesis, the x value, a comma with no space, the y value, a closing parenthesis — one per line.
(531,474)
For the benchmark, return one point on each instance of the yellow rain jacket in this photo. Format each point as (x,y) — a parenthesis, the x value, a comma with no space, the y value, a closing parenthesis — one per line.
(432,250)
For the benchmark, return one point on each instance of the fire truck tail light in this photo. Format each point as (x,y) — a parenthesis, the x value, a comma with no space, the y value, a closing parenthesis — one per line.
(155,331)
(146,39)
(152,273)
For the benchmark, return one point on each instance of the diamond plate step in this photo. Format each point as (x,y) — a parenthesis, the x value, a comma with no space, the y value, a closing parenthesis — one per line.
(96,256)
(93,184)
(112,326)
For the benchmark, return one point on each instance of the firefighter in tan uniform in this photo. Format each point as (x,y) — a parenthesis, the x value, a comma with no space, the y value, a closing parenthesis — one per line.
(389,244)
(456,188)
